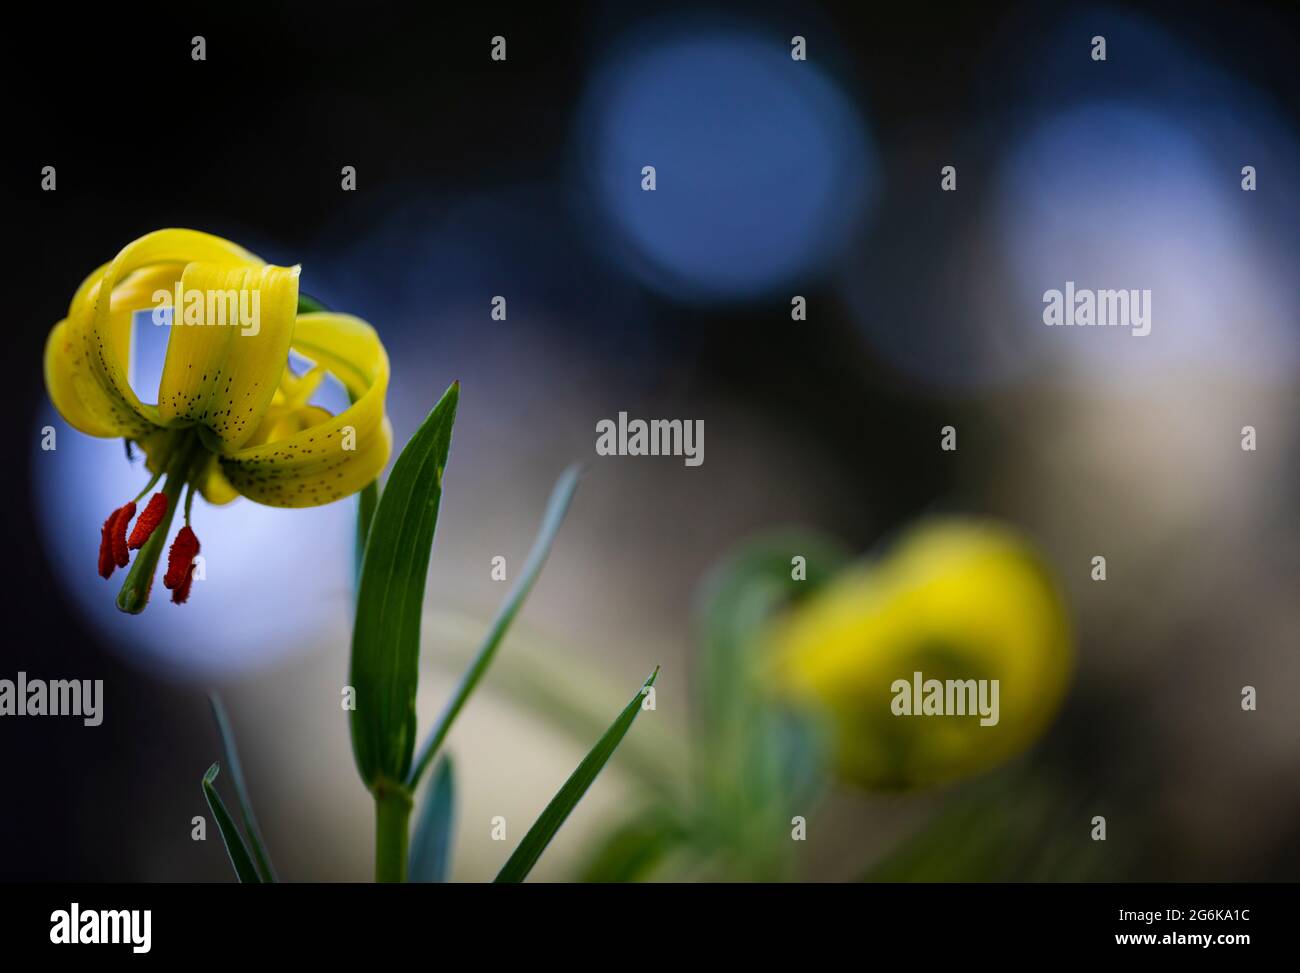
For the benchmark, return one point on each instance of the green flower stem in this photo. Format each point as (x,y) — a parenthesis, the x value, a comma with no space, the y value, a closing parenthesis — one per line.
(139,579)
(392,831)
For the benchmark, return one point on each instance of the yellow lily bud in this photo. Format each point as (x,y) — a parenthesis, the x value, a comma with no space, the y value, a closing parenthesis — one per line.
(948,656)
(231,418)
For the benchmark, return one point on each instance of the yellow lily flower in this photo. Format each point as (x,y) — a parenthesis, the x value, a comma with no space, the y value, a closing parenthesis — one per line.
(947,657)
(231,419)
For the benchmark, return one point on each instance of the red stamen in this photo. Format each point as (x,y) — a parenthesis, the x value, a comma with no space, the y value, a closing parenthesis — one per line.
(124,515)
(181,593)
(106,561)
(148,522)
(180,560)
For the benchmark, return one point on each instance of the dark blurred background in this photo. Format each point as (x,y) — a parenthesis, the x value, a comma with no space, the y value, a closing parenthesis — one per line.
(776,178)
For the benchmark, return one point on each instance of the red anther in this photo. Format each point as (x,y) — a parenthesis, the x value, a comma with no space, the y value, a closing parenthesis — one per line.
(182,591)
(106,562)
(180,559)
(148,522)
(124,515)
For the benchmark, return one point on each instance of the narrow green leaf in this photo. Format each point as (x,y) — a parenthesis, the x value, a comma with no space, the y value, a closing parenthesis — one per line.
(751,760)
(264,867)
(431,849)
(308,304)
(235,847)
(390,598)
(550,820)
(367,502)
(556,508)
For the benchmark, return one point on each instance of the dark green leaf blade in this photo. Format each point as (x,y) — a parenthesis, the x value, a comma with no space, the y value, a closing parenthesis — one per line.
(431,849)
(390,598)
(235,847)
(556,508)
(264,867)
(516,869)
(367,502)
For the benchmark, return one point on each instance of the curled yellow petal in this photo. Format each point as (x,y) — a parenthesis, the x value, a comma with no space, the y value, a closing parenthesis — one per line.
(74,385)
(229,344)
(225,373)
(310,457)
(75,392)
(97,327)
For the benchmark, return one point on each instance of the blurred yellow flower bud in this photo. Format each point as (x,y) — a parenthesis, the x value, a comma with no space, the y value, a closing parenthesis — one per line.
(948,656)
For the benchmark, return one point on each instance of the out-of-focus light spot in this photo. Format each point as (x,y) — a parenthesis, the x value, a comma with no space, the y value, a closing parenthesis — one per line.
(763,167)
(1117,175)
(278,581)
(1119,196)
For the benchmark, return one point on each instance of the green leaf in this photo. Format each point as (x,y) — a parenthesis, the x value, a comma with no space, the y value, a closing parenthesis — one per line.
(264,867)
(308,304)
(739,598)
(367,502)
(743,756)
(556,508)
(235,848)
(431,850)
(390,599)
(545,827)
(635,848)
